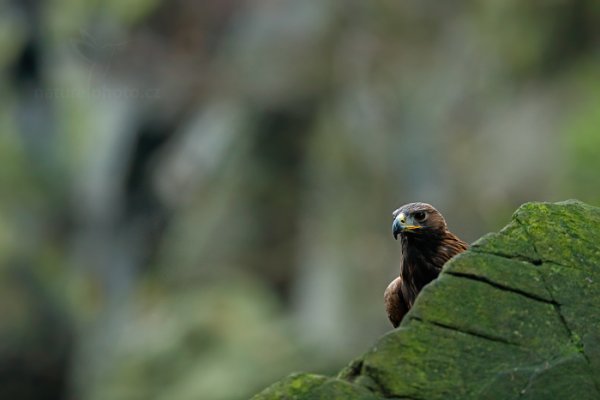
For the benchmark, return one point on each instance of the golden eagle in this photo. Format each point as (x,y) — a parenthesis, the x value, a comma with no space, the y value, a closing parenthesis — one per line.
(426,246)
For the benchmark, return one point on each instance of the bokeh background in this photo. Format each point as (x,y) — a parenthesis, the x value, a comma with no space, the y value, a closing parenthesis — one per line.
(196,197)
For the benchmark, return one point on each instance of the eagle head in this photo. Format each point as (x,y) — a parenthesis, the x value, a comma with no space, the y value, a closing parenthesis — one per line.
(417,219)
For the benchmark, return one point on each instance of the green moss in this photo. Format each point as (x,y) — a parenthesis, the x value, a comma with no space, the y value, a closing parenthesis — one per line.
(520,276)
(512,241)
(516,316)
(295,386)
(564,378)
(473,306)
(422,360)
(565,233)
(310,386)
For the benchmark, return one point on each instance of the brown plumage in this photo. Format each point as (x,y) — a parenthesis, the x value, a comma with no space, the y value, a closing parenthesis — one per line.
(426,246)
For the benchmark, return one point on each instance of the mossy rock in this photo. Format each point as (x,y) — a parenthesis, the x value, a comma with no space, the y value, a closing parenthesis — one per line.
(516,316)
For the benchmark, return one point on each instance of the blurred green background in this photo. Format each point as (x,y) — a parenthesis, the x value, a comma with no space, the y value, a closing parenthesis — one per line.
(196,197)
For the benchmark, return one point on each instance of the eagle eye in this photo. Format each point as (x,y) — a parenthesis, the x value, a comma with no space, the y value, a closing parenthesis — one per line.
(420,216)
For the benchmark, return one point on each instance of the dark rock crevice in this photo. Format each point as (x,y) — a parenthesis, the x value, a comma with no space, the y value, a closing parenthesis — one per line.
(470,332)
(499,286)
(523,258)
(556,306)
(352,371)
(538,260)
(380,388)
(574,338)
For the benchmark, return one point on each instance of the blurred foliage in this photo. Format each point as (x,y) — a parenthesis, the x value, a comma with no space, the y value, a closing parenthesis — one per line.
(196,196)
(582,135)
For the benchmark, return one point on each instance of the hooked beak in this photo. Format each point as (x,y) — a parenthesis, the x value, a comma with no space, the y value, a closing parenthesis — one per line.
(400,225)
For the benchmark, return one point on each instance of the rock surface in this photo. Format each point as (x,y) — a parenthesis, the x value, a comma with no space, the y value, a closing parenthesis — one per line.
(517,316)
